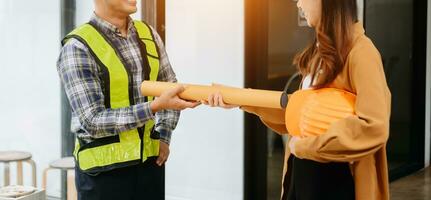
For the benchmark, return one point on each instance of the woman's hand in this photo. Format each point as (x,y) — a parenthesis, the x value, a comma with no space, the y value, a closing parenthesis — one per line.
(292,143)
(216,100)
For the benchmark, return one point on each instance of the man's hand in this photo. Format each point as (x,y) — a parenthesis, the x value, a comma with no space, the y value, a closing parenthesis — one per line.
(163,153)
(169,100)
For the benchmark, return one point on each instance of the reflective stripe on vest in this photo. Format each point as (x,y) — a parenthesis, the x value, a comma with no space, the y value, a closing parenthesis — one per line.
(124,149)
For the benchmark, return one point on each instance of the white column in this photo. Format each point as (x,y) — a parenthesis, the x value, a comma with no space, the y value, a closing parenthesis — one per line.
(361,10)
(428,92)
(205,43)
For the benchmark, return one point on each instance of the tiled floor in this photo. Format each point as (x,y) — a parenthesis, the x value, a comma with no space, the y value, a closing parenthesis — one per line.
(413,187)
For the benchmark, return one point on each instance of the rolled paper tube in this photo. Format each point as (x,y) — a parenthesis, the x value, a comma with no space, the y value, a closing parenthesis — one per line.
(231,95)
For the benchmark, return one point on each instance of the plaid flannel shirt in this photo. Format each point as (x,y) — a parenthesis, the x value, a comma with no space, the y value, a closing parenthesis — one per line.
(81,79)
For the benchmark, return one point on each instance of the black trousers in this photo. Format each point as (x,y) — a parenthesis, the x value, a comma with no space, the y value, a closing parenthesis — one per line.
(310,180)
(139,182)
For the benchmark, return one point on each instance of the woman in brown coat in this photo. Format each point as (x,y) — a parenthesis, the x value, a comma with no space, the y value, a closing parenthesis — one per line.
(349,160)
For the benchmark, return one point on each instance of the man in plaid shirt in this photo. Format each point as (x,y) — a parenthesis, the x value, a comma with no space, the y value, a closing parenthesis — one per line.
(92,121)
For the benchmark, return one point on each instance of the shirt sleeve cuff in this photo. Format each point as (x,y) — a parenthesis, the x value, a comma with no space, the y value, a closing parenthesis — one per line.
(165,134)
(144,112)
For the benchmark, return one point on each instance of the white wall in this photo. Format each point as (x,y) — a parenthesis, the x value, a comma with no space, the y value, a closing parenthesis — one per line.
(205,42)
(428,92)
(29,84)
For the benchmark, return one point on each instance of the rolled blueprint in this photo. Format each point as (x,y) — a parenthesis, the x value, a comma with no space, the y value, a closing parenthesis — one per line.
(231,95)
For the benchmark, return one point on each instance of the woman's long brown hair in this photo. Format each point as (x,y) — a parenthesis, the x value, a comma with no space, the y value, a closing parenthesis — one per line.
(333,42)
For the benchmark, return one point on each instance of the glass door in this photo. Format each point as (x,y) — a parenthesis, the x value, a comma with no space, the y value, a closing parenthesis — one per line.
(288,34)
(275,33)
(401,44)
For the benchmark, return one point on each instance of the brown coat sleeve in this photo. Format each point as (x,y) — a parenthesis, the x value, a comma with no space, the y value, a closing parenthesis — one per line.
(271,117)
(278,128)
(358,136)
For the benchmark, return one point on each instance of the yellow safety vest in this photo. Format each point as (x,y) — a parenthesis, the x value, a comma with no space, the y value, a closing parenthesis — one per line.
(130,147)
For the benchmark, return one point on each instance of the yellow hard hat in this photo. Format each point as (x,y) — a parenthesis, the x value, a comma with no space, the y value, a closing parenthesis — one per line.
(311,112)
